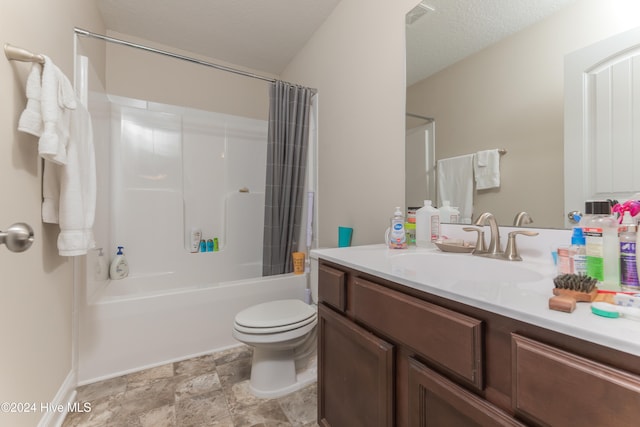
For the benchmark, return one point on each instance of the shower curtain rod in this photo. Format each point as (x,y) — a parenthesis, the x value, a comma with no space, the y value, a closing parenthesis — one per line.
(417,116)
(81,32)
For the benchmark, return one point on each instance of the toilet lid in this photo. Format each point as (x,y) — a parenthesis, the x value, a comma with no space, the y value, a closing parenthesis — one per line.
(275,313)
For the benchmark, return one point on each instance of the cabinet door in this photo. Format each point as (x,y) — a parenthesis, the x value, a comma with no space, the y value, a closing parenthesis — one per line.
(355,375)
(435,401)
(552,387)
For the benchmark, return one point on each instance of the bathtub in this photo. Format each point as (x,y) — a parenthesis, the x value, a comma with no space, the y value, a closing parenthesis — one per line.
(121,332)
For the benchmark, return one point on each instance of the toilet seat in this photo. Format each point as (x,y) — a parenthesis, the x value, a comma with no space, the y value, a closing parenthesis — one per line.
(275,316)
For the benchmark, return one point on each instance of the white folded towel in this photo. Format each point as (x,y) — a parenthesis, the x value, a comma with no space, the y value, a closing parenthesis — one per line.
(455,183)
(486,168)
(57,98)
(31,119)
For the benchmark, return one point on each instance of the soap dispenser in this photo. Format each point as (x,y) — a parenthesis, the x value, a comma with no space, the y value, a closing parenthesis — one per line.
(119,266)
(396,236)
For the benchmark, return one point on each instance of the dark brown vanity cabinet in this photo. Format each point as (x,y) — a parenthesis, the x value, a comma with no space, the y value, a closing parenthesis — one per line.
(390,355)
(357,367)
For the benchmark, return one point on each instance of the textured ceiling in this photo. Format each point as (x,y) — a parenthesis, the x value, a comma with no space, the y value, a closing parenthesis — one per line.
(265,35)
(458,28)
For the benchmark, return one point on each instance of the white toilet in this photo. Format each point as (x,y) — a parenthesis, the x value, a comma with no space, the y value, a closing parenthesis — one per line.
(283,336)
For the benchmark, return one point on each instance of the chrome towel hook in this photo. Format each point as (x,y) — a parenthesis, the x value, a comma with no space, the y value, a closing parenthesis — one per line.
(18,237)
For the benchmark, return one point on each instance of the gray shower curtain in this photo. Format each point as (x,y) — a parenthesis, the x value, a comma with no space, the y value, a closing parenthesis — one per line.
(287,144)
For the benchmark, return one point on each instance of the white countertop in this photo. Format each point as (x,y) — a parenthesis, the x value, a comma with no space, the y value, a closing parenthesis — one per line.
(497,291)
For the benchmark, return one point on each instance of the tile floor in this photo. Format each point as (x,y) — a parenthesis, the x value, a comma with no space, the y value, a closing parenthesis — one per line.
(210,390)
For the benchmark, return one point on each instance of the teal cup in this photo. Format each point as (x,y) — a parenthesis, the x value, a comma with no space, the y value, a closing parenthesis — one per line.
(344,236)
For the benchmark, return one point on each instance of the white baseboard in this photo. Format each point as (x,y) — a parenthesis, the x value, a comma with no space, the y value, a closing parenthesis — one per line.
(154,365)
(57,410)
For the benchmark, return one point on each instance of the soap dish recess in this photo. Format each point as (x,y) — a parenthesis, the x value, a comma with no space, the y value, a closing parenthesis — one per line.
(461,248)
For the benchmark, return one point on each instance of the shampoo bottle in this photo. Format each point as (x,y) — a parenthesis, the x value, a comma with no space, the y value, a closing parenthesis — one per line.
(427,225)
(119,266)
(397,233)
(194,242)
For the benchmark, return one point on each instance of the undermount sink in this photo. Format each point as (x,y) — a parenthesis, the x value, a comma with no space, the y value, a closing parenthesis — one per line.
(449,268)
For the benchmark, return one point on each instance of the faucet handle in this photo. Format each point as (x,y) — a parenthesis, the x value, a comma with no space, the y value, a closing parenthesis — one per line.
(511,251)
(480,245)
(521,219)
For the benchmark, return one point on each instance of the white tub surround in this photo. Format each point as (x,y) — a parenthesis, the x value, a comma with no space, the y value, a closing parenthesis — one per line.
(518,290)
(123,334)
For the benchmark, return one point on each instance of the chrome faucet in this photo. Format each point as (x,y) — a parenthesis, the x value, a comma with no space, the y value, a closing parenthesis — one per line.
(495,250)
(521,219)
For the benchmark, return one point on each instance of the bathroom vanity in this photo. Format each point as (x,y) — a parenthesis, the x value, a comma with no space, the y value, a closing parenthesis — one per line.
(423,338)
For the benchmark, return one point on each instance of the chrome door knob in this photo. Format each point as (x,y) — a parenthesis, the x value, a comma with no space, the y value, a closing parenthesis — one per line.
(18,237)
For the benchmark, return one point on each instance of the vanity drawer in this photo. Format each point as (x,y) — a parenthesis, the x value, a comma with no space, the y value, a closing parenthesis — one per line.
(436,401)
(452,341)
(332,287)
(557,388)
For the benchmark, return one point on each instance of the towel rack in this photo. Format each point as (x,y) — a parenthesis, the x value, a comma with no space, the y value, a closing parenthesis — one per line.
(14,53)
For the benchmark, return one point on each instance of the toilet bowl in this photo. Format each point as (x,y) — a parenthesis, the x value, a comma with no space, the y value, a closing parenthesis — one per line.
(282,334)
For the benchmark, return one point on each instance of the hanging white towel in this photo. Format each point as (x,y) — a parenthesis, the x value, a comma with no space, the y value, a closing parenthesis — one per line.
(486,168)
(31,118)
(56,101)
(455,184)
(66,145)
(77,198)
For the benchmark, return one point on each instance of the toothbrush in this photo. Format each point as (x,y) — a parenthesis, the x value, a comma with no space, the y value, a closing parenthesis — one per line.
(605,309)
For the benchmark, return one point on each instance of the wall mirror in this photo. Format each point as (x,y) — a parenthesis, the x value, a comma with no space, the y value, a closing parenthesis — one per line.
(502,88)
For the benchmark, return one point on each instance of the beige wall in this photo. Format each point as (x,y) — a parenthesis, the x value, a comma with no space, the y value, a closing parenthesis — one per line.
(135,73)
(511,96)
(356,60)
(36,286)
